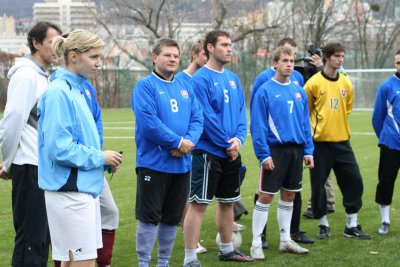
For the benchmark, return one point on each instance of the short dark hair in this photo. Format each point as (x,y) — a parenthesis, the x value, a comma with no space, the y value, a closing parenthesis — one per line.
(39,32)
(160,43)
(281,50)
(331,48)
(212,38)
(287,40)
(397,53)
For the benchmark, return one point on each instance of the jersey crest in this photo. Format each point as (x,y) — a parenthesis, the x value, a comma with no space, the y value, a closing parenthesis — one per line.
(296,82)
(233,84)
(185,93)
(87,92)
(344,92)
(298,95)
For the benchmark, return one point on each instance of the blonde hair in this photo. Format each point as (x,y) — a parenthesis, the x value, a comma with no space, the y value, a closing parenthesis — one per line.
(79,41)
(197,47)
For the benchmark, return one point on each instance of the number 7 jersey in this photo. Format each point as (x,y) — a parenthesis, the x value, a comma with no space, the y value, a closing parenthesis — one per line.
(330,102)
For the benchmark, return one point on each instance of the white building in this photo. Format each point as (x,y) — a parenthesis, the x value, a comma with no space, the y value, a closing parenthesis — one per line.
(14,45)
(68,14)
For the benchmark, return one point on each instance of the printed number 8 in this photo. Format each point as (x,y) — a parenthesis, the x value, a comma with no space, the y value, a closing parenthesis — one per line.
(174,105)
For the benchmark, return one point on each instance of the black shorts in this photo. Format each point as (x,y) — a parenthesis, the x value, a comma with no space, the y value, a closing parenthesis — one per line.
(214,176)
(288,171)
(161,197)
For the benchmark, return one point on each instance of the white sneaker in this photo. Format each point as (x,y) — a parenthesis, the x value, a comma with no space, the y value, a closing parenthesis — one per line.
(238,227)
(256,252)
(293,247)
(200,249)
(384,229)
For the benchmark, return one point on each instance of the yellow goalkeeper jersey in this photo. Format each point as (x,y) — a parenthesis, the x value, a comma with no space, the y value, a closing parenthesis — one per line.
(330,101)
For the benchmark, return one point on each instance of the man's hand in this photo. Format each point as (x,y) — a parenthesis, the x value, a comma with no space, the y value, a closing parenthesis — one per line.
(233,150)
(316,61)
(3,174)
(112,158)
(268,165)
(186,146)
(114,169)
(176,153)
(309,161)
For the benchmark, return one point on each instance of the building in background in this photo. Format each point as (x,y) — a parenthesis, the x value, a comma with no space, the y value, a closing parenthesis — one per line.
(68,14)
(10,41)
(7,26)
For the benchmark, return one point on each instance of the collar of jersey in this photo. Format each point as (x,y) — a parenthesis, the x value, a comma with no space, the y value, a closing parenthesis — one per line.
(158,76)
(329,78)
(223,69)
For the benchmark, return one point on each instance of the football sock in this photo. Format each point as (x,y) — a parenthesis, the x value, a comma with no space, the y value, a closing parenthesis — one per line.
(260,218)
(226,248)
(145,238)
(351,220)
(190,255)
(324,221)
(284,214)
(385,209)
(166,238)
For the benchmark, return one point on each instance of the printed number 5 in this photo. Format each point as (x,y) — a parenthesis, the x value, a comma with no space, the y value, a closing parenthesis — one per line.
(226,96)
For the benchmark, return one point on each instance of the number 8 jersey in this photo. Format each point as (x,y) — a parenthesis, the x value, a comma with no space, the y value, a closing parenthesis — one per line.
(330,102)
(165,113)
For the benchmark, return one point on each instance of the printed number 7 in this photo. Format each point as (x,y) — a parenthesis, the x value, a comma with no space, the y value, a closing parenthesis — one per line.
(290,102)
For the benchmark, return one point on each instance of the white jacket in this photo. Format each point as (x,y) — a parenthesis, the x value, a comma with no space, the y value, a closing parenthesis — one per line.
(18,128)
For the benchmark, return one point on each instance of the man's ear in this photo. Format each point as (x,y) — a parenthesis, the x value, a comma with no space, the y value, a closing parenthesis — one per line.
(210,47)
(36,44)
(154,57)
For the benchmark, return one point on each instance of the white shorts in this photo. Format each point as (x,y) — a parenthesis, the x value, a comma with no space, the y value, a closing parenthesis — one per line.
(74,224)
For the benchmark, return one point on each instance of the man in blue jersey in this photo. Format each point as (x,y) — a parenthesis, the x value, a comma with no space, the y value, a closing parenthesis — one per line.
(216,158)
(281,132)
(296,78)
(385,120)
(169,122)
(197,60)
(269,73)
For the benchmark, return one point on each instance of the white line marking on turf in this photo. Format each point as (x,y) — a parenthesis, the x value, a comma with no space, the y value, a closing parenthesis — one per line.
(362,133)
(118,128)
(132,137)
(118,137)
(118,122)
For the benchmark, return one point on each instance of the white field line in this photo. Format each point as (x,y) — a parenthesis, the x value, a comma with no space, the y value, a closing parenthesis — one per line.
(118,122)
(118,128)
(132,137)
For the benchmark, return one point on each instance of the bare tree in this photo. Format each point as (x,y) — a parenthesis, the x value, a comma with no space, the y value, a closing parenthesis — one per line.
(375,37)
(318,19)
(6,61)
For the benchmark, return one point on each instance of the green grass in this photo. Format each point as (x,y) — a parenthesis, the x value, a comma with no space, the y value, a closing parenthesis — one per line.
(336,251)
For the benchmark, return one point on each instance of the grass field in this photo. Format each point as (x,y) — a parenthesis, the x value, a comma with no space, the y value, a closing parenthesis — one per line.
(336,251)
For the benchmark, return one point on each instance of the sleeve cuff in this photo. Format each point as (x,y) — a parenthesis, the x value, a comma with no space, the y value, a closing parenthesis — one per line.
(240,142)
(180,142)
(265,160)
